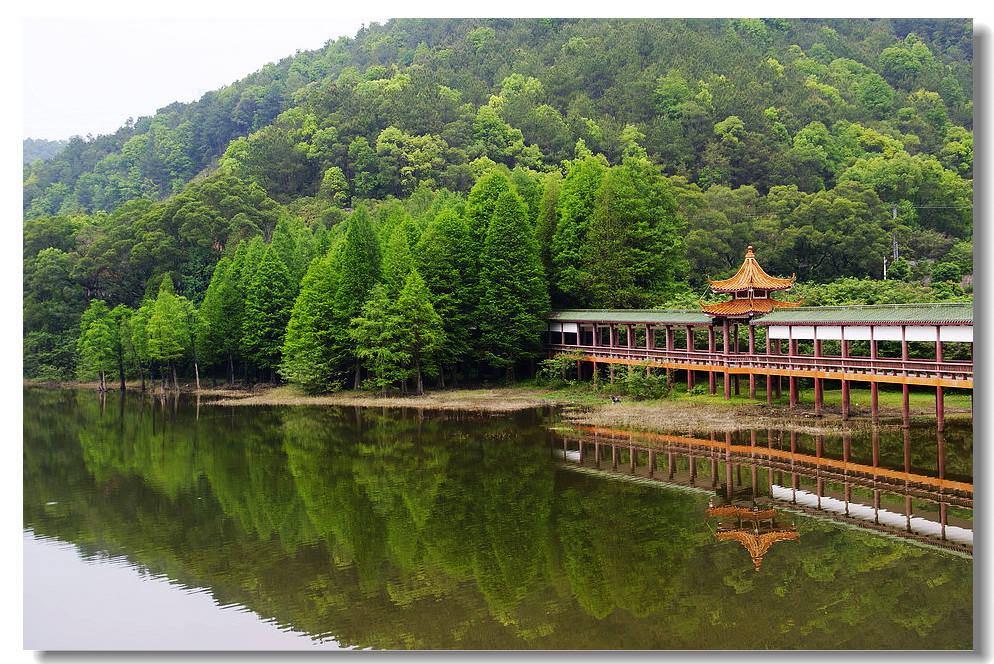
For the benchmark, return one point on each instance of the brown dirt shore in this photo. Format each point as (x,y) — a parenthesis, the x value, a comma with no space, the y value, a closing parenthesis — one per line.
(577,408)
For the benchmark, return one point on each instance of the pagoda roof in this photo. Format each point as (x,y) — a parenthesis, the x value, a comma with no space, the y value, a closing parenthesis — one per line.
(747,307)
(750,275)
(757,544)
(744,513)
(635,316)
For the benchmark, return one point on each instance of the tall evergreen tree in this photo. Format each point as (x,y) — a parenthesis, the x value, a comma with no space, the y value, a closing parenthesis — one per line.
(377,333)
(548,217)
(514,296)
(481,203)
(446,259)
(634,248)
(422,330)
(166,330)
(577,200)
(397,260)
(267,310)
(358,271)
(311,354)
(95,349)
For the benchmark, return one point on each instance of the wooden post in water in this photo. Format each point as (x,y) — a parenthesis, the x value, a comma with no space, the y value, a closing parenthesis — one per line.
(941,451)
(614,457)
(652,462)
(735,350)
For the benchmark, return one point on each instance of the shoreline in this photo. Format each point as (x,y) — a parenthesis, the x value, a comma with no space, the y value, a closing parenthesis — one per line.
(578,407)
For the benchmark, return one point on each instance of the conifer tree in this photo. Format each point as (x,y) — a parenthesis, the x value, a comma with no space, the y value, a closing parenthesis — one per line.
(548,217)
(311,355)
(634,248)
(577,200)
(421,326)
(123,346)
(377,333)
(165,329)
(481,203)
(139,339)
(396,260)
(95,349)
(267,310)
(359,271)
(514,297)
(446,259)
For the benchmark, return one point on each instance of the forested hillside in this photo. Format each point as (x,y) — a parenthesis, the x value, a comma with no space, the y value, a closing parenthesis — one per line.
(413,200)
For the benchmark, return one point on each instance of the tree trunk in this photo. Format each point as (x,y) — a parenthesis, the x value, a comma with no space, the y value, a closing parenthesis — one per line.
(196,374)
(172,368)
(162,373)
(100,377)
(231,369)
(441,377)
(120,369)
(355,382)
(417,368)
(141,372)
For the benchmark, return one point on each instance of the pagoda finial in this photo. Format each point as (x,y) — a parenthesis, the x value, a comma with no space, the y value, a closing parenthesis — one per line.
(749,253)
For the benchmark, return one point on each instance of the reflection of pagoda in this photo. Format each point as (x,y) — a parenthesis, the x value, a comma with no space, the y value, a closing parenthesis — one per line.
(750,289)
(753,528)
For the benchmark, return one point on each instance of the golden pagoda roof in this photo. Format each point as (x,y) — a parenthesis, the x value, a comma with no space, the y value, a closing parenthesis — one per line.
(744,513)
(746,307)
(757,544)
(750,275)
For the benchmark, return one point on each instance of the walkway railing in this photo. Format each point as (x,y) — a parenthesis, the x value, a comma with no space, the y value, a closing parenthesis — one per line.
(762,363)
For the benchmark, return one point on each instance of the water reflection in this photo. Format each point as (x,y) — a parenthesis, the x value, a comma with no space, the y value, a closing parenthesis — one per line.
(817,474)
(407,529)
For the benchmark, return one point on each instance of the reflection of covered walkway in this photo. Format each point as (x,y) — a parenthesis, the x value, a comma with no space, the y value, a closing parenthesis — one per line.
(857,493)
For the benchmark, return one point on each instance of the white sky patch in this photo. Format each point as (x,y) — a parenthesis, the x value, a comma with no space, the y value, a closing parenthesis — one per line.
(88,76)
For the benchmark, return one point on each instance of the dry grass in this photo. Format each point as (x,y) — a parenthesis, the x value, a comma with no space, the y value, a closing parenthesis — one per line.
(702,413)
(479,400)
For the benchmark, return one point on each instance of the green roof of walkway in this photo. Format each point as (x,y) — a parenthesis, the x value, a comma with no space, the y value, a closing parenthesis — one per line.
(956,313)
(873,314)
(652,316)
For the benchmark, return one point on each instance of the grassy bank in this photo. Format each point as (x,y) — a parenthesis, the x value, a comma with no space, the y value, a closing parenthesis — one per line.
(581,404)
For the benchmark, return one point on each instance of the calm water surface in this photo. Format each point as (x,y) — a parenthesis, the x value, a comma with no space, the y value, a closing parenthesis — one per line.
(154,524)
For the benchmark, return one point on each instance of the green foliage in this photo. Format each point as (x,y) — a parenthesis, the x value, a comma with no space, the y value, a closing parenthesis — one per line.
(310,354)
(268,303)
(514,296)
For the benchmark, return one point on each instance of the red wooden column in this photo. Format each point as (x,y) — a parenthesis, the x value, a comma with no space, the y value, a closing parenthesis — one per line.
(778,386)
(724,347)
(650,337)
(690,348)
(819,382)
(940,411)
(845,383)
(711,378)
(735,351)
(874,389)
(792,352)
(769,377)
(905,388)
(752,356)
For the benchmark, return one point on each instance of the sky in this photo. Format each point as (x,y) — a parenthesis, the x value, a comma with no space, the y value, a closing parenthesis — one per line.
(88,76)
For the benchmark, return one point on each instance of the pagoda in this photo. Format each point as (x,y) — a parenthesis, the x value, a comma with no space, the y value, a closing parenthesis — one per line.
(750,288)
(757,537)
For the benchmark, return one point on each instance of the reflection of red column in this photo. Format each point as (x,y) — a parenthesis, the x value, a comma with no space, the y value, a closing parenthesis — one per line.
(940,409)
(874,396)
(652,462)
(819,384)
(941,442)
(845,383)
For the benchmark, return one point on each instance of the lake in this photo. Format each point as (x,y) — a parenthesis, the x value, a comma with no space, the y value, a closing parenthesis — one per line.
(155,523)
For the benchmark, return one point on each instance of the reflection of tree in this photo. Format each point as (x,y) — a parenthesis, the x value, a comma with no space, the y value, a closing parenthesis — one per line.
(387,530)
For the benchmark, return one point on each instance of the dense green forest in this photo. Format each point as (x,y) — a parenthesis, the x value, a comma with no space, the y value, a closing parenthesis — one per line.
(410,202)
